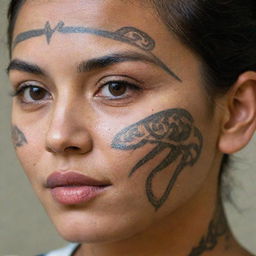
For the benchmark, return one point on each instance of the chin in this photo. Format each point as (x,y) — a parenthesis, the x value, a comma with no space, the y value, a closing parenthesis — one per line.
(85,234)
(90,228)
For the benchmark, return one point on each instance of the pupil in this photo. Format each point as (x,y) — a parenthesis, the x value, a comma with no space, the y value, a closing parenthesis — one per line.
(117,89)
(37,93)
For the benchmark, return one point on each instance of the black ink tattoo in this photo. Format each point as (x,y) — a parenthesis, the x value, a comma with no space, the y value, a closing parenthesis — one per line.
(217,228)
(129,35)
(171,129)
(18,137)
(49,31)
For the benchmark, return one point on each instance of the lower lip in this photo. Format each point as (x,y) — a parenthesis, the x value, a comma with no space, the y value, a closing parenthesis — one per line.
(76,195)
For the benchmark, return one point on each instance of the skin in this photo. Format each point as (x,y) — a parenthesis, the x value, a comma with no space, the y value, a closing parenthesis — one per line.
(77,126)
(18,138)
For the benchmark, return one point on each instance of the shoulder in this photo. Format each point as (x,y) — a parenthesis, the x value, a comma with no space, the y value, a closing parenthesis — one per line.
(66,251)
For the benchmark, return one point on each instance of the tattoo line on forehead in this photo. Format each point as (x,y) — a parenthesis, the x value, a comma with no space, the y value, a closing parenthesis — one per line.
(129,35)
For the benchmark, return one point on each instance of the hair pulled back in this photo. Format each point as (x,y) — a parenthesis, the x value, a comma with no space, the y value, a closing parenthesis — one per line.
(221,32)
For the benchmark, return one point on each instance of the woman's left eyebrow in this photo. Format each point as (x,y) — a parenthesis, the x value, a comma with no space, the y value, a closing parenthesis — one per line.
(119,57)
(91,64)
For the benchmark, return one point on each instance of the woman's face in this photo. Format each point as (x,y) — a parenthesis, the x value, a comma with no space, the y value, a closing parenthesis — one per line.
(103,89)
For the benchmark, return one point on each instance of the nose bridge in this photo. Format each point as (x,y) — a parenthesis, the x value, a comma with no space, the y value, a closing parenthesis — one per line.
(61,115)
(67,128)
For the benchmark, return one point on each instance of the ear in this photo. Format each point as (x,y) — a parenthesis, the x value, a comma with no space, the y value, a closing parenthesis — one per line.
(239,123)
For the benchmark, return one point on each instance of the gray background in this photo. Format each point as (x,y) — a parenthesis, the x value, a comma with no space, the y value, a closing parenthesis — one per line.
(24,227)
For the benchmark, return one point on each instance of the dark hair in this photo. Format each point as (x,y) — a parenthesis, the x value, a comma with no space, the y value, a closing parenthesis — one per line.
(221,32)
(12,14)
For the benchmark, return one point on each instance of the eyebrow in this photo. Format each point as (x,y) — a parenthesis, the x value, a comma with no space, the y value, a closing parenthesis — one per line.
(115,58)
(24,66)
(91,64)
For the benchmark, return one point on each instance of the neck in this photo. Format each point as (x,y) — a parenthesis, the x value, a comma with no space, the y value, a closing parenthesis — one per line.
(216,232)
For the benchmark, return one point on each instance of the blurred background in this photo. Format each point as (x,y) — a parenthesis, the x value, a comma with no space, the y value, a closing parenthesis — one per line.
(24,227)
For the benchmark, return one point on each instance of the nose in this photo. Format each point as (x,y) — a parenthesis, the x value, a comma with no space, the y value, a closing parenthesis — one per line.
(68,132)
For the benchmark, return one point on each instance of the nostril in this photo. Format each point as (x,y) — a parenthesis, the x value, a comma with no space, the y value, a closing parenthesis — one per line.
(65,143)
(72,148)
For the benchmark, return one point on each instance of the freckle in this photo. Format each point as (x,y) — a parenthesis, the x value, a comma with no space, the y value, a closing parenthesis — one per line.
(34,164)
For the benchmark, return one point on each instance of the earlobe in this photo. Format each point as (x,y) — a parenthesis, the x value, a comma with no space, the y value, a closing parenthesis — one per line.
(240,124)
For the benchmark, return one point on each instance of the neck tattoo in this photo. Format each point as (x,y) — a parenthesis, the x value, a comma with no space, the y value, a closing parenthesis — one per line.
(217,228)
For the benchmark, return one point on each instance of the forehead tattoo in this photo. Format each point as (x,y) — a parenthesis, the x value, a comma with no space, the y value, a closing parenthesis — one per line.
(129,35)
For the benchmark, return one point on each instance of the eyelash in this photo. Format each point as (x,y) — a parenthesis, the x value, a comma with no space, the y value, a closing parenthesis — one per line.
(20,91)
(127,92)
(129,86)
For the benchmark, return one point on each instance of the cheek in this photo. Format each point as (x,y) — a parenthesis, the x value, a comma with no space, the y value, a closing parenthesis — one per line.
(130,198)
(31,152)
(170,143)
(31,155)
(160,192)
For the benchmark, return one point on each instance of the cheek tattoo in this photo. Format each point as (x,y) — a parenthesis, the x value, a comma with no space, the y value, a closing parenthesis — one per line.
(171,129)
(18,137)
(128,35)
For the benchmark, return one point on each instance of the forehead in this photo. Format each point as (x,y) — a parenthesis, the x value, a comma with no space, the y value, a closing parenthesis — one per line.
(104,13)
(107,15)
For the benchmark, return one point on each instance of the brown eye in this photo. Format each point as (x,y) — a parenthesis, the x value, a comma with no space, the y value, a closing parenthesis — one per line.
(117,89)
(32,94)
(36,93)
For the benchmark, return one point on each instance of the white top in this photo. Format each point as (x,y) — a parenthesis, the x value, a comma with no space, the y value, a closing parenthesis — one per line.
(66,251)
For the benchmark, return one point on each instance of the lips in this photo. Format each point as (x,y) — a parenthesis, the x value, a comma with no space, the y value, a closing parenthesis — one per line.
(70,188)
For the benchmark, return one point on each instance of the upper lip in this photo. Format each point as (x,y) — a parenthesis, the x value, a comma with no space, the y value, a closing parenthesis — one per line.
(71,178)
